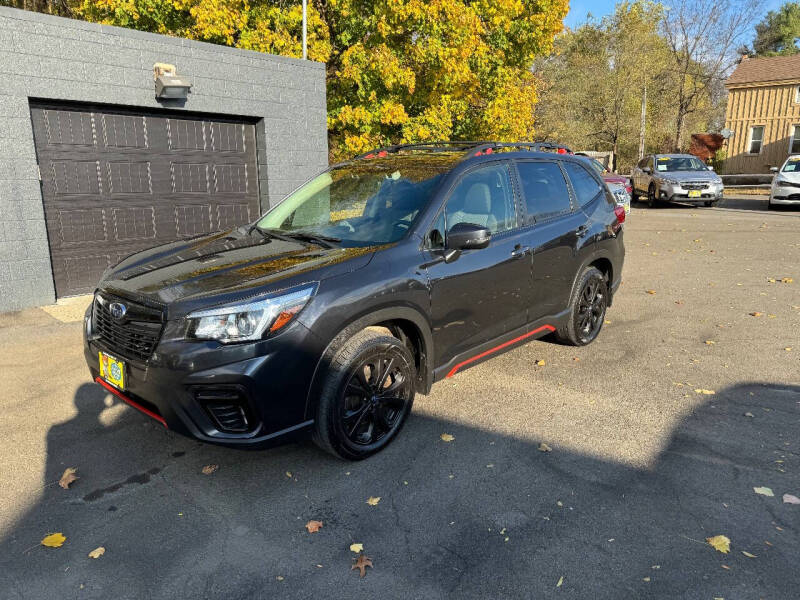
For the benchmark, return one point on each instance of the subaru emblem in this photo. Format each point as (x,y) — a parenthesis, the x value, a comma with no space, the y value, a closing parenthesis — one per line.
(117,310)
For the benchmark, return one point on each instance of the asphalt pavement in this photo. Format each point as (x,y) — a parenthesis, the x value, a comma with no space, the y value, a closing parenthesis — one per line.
(658,434)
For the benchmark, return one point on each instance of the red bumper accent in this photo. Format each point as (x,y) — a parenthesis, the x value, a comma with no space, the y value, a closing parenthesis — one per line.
(500,347)
(130,402)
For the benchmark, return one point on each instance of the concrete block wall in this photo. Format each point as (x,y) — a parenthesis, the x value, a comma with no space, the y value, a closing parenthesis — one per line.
(52,58)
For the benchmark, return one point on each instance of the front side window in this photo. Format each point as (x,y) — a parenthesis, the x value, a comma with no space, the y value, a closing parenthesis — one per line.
(586,187)
(362,203)
(544,188)
(483,197)
(756,139)
(795,145)
(792,165)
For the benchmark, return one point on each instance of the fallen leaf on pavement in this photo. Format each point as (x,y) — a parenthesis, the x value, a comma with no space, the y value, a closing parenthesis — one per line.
(790,499)
(720,543)
(710,342)
(361,564)
(446,437)
(373,500)
(54,540)
(748,555)
(560,581)
(289,474)
(646,579)
(209,469)
(787,280)
(788,348)
(540,363)
(68,477)
(756,314)
(279,577)
(97,552)
(651,292)
(544,448)
(313,526)
(748,414)
(726,567)
(356,548)
(703,391)
(764,491)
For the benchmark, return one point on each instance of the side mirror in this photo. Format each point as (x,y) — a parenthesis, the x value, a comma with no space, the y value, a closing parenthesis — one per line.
(774,169)
(468,236)
(710,167)
(647,170)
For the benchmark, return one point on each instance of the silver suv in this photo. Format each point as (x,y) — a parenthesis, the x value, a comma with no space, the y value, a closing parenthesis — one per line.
(681,177)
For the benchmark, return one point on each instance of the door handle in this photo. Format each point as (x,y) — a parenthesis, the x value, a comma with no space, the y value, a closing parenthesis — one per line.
(519,251)
(582,231)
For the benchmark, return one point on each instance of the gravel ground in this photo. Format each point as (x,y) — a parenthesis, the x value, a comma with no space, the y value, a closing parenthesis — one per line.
(644,465)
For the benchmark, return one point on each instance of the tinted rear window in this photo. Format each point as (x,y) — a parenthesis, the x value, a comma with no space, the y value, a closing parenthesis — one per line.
(586,187)
(545,189)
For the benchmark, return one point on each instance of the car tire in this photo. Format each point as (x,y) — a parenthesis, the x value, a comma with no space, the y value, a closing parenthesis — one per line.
(358,416)
(634,193)
(590,292)
(709,203)
(770,205)
(652,201)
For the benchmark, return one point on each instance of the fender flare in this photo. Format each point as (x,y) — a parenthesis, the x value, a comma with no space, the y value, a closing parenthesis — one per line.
(589,260)
(363,320)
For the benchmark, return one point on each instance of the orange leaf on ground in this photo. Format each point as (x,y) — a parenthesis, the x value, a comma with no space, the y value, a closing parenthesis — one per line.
(361,564)
(314,526)
(97,552)
(209,469)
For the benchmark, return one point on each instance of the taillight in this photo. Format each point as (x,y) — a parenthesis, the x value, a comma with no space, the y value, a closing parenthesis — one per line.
(619,210)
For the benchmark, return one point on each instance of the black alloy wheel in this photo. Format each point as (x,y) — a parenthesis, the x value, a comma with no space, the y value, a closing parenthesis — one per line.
(373,399)
(587,309)
(367,395)
(591,309)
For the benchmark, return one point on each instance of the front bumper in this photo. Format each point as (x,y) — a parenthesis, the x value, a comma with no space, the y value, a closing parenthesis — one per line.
(677,193)
(184,383)
(788,195)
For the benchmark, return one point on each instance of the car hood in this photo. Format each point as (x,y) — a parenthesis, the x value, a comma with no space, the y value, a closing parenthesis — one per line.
(689,175)
(793,176)
(227,267)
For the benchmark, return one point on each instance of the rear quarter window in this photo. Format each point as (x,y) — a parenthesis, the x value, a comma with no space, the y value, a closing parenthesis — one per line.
(585,185)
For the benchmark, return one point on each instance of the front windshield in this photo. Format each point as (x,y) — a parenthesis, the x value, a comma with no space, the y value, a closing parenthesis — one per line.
(374,201)
(671,164)
(792,165)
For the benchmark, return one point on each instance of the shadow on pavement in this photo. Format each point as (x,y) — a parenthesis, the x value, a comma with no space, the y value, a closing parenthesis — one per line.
(484,516)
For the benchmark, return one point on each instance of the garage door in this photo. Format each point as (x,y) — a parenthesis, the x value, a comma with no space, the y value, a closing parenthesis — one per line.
(116,182)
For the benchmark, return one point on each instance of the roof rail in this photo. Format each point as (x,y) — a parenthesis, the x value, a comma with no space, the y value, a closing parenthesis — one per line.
(433,146)
(472,148)
(490,147)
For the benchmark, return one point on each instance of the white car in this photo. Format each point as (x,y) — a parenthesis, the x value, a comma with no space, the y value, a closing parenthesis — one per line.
(786,183)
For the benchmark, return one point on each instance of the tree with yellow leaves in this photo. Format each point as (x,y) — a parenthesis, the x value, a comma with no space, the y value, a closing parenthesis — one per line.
(397,70)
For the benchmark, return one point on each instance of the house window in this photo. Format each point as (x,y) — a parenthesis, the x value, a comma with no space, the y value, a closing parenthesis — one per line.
(756,138)
(794,148)
(797,94)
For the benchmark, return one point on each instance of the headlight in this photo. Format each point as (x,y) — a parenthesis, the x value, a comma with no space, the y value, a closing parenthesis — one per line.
(248,321)
(781,181)
(669,181)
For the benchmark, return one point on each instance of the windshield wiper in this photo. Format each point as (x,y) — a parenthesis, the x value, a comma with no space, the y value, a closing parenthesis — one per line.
(270,233)
(311,236)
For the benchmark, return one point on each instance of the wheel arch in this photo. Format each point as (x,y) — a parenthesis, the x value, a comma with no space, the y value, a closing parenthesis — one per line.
(602,262)
(403,322)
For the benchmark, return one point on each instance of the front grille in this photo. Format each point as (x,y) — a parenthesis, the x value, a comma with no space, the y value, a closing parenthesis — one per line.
(694,185)
(133,336)
(226,405)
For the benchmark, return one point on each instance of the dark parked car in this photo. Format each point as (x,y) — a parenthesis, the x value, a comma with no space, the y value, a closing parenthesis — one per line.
(366,285)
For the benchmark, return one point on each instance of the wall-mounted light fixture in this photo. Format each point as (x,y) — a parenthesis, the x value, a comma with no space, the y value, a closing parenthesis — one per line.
(170,86)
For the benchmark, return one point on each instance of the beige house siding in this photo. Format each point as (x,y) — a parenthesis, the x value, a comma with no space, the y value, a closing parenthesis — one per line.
(770,105)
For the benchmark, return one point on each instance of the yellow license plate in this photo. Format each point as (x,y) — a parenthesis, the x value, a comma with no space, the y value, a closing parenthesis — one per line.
(694,193)
(112,370)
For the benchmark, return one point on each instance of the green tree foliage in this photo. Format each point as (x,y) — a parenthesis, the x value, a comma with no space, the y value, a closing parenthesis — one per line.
(397,70)
(778,33)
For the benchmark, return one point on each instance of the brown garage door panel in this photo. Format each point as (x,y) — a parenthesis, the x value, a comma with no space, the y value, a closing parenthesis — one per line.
(116,182)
